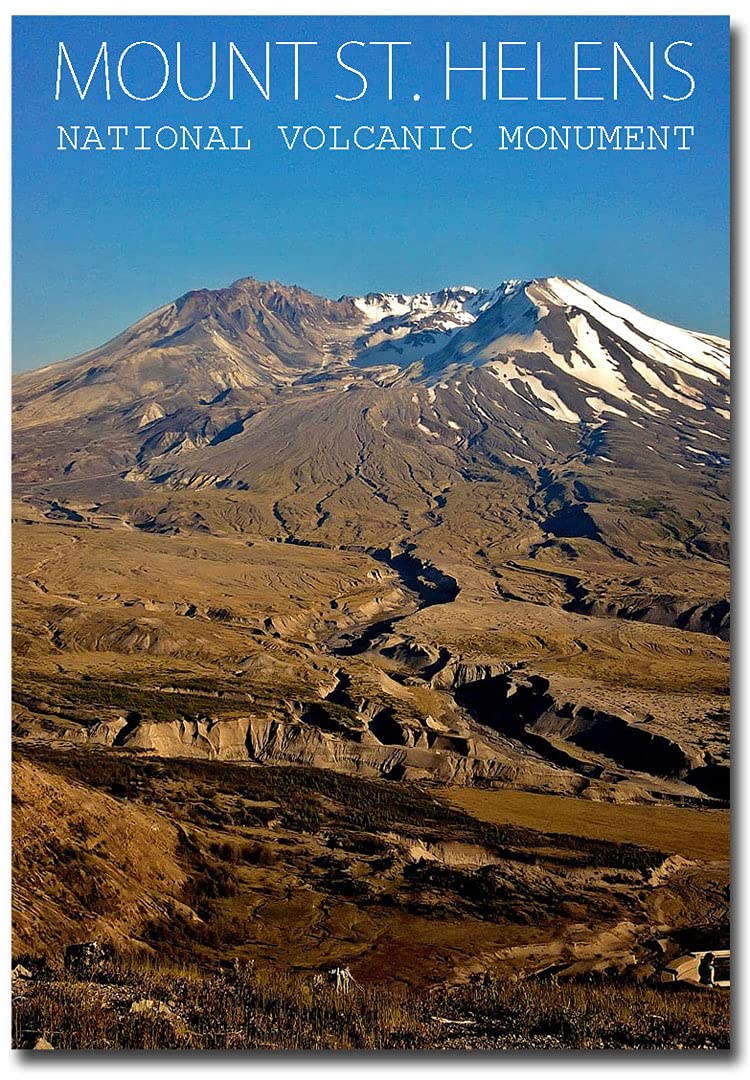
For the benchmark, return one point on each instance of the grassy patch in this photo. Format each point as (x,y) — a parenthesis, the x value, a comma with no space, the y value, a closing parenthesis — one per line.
(65,693)
(310,800)
(153,1007)
(695,834)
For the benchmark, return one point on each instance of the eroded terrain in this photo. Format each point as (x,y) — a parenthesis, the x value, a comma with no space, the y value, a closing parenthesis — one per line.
(329,652)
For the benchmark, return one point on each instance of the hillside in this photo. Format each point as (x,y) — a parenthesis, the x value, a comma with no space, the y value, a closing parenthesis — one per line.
(347,625)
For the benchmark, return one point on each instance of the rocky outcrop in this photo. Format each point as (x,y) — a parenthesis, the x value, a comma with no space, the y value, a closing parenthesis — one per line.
(526,708)
(706,617)
(384,746)
(457,674)
(620,738)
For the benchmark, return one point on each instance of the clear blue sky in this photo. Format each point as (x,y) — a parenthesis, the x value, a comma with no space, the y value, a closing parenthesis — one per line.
(100,239)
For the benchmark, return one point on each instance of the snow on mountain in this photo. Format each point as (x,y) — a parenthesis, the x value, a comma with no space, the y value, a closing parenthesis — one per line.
(564,345)
(663,342)
(459,303)
(530,367)
(403,328)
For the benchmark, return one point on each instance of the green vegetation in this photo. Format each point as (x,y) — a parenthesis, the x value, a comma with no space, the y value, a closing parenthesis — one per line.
(693,833)
(82,700)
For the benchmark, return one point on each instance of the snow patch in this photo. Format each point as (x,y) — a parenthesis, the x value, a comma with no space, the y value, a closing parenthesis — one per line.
(600,406)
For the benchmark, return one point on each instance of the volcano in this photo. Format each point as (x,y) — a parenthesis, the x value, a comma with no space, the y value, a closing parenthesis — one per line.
(468,533)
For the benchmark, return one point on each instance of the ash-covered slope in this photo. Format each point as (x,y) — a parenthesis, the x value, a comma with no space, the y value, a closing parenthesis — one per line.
(389,498)
(202,345)
(552,352)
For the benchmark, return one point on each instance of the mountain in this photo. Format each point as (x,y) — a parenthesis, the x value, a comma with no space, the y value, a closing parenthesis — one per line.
(549,352)
(466,534)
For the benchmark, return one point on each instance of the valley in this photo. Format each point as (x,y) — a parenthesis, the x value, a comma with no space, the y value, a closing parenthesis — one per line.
(387,632)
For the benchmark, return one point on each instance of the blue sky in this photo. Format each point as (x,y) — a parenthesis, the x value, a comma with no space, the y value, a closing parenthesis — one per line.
(100,238)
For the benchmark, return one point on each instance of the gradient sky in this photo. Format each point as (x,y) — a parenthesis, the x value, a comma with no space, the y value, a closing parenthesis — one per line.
(99,239)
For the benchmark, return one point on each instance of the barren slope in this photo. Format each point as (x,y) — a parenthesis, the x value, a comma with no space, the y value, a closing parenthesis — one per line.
(462,535)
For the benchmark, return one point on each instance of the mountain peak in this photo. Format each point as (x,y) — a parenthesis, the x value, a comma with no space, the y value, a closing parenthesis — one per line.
(552,344)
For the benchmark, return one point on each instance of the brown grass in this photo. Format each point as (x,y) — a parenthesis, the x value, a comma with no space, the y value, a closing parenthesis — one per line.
(279,1010)
(298,867)
(694,834)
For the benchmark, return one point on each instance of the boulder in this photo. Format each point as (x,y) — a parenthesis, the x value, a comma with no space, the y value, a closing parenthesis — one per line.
(151,1009)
